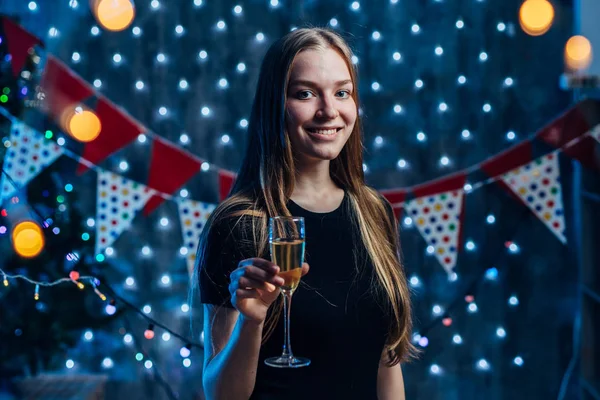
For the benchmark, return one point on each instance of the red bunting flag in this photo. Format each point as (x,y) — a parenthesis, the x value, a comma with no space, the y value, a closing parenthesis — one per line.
(226,180)
(118,130)
(572,125)
(396,198)
(170,168)
(19,41)
(62,87)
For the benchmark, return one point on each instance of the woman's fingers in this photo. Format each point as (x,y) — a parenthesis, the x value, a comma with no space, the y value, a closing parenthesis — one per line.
(245,282)
(258,274)
(305,268)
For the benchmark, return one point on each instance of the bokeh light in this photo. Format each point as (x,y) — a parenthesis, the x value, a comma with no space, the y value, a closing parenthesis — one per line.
(114,15)
(536,17)
(28,239)
(84,126)
(578,53)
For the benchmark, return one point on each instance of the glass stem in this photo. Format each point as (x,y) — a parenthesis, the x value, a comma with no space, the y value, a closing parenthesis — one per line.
(287,306)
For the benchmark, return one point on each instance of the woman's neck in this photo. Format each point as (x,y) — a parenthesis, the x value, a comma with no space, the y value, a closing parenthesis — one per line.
(314,178)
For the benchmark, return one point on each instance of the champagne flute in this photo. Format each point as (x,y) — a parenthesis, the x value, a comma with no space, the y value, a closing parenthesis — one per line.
(286,239)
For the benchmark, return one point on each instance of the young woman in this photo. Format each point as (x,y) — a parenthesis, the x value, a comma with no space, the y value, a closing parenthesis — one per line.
(351,313)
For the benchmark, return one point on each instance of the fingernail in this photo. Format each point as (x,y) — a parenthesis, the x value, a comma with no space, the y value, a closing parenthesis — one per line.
(276,268)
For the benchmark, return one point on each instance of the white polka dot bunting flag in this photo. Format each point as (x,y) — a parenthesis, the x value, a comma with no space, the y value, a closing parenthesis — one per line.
(193,215)
(538,185)
(29,153)
(437,217)
(118,201)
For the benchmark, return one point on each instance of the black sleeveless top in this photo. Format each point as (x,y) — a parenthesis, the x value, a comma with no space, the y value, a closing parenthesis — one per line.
(336,320)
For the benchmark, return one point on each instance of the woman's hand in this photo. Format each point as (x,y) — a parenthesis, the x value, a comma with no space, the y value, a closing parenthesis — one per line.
(255,286)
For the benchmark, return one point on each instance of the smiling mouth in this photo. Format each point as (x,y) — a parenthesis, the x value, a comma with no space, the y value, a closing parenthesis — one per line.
(323,132)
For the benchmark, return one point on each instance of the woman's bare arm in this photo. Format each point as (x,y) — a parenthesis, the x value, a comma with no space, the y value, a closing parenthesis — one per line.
(390,383)
(231,348)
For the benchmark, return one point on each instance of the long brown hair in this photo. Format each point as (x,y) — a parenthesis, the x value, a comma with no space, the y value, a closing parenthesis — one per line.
(266,181)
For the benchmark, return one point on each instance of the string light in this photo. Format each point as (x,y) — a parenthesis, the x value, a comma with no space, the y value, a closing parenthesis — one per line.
(149,332)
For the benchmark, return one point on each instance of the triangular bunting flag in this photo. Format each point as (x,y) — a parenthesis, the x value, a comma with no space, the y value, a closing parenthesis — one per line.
(118,130)
(395,197)
(226,181)
(538,185)
(27,156)
(170,168)
(19,43)
(437,217)
(193,215)
(118,200)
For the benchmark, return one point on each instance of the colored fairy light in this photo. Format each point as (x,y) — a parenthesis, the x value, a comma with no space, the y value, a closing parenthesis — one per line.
(491,274)
(149,332)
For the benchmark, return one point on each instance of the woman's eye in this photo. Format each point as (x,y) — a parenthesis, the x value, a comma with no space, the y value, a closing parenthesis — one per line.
(304,94)
(344,93)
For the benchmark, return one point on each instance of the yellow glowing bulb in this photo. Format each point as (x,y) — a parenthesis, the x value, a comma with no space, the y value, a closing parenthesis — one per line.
(5,282)
(536,17)
(84,126)
(578,52)
(115,15)
(28,240)
(80,285)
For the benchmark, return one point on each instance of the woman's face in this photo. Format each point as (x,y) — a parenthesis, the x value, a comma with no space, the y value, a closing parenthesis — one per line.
(320,110)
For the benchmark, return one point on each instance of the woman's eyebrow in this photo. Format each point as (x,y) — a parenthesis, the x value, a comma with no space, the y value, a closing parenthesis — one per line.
(303,82)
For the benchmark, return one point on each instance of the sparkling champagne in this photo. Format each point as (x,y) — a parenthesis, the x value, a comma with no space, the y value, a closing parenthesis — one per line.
(288,254)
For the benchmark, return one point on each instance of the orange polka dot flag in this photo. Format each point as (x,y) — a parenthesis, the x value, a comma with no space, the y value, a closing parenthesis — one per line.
(118,201)
(193,215)
(538,185)
(29,153)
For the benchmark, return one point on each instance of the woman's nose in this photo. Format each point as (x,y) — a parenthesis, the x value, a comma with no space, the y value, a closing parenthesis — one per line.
(327,110)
